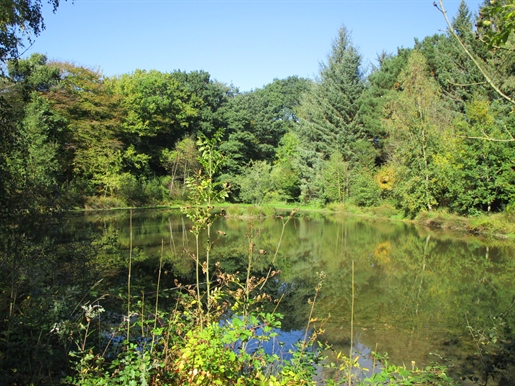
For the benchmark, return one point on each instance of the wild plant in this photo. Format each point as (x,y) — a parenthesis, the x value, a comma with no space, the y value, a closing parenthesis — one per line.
(495,348)
(218,336)
(204,191)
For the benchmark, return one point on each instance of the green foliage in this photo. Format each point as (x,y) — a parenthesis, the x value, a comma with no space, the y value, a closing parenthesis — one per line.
(286,183)
(480,179)
(161,108)
(255,183)
(32,159)
(33,74)
(365,189)
(144,191)
(329,109)
(401,375)
(20,20)
(456,74)
(497,22)
(131,367)
(417,127)
(180,163)
(334,180)
(203,188)
(35,165)
(94,150)
(331,124)
(381,84)
(257,120)
(156,103)
(199,356)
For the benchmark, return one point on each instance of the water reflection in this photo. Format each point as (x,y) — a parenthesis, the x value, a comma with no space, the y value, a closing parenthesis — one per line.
(417,291)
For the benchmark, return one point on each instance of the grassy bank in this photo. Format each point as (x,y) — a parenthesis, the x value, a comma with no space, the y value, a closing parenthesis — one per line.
(498,225)
(495,225)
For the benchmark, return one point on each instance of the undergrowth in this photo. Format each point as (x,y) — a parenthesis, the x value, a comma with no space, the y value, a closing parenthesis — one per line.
(220,327)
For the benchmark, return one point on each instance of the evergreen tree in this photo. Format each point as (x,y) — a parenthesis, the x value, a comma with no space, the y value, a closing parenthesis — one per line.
(457,75)
(381,84)
(329,110)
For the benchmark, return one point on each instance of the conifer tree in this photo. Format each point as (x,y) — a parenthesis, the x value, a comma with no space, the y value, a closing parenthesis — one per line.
(459,78)
(329,109)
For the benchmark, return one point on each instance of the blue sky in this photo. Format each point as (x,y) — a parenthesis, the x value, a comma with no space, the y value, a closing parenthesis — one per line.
(241,42)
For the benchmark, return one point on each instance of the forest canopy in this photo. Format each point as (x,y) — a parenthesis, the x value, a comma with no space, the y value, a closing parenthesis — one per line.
(421,131)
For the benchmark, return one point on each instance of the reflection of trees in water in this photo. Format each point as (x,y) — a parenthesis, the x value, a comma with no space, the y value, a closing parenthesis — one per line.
(51,266)
(413,288)
(45,273)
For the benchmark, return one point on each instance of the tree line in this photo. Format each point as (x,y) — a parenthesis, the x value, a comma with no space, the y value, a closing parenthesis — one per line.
(421,131)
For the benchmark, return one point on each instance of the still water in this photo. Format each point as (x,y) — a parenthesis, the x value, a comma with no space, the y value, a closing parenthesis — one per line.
(420,295)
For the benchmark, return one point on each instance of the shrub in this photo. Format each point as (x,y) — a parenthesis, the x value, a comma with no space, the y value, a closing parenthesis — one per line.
(102,202)
(140,192)
(365,190)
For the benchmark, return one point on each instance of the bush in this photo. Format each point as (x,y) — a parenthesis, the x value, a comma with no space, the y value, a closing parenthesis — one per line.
(365,191)
(102,202)
(255,182)
(141,192)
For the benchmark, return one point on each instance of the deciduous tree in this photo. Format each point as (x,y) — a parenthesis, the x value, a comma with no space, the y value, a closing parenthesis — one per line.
(94,118)
(417,128)
(20,22)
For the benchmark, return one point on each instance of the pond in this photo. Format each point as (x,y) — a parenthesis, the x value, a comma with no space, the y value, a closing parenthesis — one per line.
(420,295)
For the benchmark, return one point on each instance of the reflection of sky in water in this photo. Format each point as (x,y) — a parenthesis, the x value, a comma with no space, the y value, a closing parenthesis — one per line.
(285,343)
(281,345)
(414,287)
(288,342)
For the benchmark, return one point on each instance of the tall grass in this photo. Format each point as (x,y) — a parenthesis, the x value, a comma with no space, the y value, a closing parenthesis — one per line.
(217,335)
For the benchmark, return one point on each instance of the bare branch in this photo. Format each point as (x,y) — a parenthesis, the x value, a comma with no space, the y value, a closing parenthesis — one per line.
(467,51)
(467,84)
(487,137)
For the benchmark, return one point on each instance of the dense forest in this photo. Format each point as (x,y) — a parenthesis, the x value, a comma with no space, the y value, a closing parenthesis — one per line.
(424,130)
(429,129)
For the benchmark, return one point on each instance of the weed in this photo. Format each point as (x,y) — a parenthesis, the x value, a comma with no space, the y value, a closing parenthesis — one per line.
(217,334)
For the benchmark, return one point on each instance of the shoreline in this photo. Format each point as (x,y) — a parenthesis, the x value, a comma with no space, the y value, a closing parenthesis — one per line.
(498,226)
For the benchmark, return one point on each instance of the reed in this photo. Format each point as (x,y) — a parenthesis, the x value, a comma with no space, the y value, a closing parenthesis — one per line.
(156,309)
(351,350)
(129,275)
